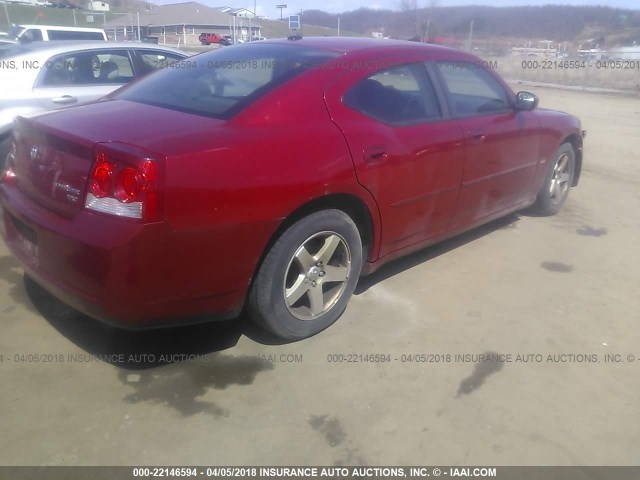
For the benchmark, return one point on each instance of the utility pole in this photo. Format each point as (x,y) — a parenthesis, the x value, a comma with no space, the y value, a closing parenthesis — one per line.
(6,12)
(338,25)
(471,36)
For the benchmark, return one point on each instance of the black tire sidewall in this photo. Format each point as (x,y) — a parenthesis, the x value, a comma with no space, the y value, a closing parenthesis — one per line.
(5,146)
(267,305)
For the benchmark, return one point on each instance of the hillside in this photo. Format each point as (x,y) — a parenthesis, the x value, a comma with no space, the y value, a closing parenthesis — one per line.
(559,23)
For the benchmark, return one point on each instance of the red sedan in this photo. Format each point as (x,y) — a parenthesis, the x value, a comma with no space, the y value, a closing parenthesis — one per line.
(270,176)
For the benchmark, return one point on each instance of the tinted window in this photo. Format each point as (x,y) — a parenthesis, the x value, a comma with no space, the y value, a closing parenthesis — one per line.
(472,90)
(74,35)
(220,83)
(88,68)
(398,95)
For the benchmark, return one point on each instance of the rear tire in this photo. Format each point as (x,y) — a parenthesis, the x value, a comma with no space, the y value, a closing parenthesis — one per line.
(558,181)
(308,276)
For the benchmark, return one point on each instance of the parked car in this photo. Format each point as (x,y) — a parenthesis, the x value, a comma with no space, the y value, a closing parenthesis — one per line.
(209,38)
(197,192)
(45,33)
(49,75)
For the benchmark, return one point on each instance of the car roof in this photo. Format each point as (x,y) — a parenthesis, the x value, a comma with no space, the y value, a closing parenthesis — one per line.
(353,44)
(62,46)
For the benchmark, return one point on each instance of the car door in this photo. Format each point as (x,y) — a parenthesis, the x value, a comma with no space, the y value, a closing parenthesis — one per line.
(406,153)
(501,146)
(80,77)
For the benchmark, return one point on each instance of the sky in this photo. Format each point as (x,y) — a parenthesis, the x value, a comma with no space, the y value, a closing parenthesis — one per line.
(336,6)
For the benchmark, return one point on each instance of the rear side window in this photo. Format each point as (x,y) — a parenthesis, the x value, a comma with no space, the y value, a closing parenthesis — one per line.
(74,35)
(399,95)
(220,83)
(471,89)
(88,68)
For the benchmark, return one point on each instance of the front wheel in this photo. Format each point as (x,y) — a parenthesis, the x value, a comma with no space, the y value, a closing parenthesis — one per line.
(557,182)
(308,276)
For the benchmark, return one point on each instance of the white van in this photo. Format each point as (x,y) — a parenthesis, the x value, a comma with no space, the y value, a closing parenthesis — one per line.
(39,33)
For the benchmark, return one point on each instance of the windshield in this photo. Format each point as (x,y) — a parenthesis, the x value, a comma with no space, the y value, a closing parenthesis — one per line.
(221,83)
(15,32)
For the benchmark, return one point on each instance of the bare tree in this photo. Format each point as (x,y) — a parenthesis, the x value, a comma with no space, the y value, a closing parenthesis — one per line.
(417,11)
(425,27)
(411,7)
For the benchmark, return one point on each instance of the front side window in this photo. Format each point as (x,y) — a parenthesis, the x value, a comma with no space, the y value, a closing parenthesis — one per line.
(221,83)
(471,89)
(398,95)
(88,68)
(32,35)
(155,60)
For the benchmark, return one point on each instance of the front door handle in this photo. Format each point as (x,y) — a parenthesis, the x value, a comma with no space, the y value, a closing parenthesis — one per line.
(375,153)
(64,100)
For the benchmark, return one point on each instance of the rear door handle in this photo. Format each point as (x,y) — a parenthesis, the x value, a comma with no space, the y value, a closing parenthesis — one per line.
(375,153)
(64,100)
(478,137)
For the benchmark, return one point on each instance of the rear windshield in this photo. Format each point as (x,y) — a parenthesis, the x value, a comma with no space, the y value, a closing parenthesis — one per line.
(74,35)
(221,83)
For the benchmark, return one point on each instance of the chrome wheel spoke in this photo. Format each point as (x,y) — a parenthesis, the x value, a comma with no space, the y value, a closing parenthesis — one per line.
(316,300)
(563,178)
(336,274)
(296,291)
(328,249)
(304,258)
(562,164)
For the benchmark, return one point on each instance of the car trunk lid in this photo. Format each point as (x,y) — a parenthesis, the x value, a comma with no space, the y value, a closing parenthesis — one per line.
(50,169)
(54,151)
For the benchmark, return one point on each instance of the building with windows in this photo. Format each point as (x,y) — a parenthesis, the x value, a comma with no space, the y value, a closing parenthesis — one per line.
(238,12)
(97,6)
(180,24)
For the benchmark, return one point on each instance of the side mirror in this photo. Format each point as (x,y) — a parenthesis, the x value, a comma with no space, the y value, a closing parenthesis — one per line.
(526,101)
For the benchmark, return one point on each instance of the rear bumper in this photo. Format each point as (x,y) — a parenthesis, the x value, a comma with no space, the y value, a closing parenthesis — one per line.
(128,274)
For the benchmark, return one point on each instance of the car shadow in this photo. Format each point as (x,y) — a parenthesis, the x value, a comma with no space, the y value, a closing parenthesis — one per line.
(146,349)
(405,263)
(139,349)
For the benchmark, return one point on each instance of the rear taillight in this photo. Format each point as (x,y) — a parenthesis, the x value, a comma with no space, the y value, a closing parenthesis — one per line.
(7,174)
(124,181)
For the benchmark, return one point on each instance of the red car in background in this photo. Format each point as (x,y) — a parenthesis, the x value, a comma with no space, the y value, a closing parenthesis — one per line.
(209,38)
(273,175)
